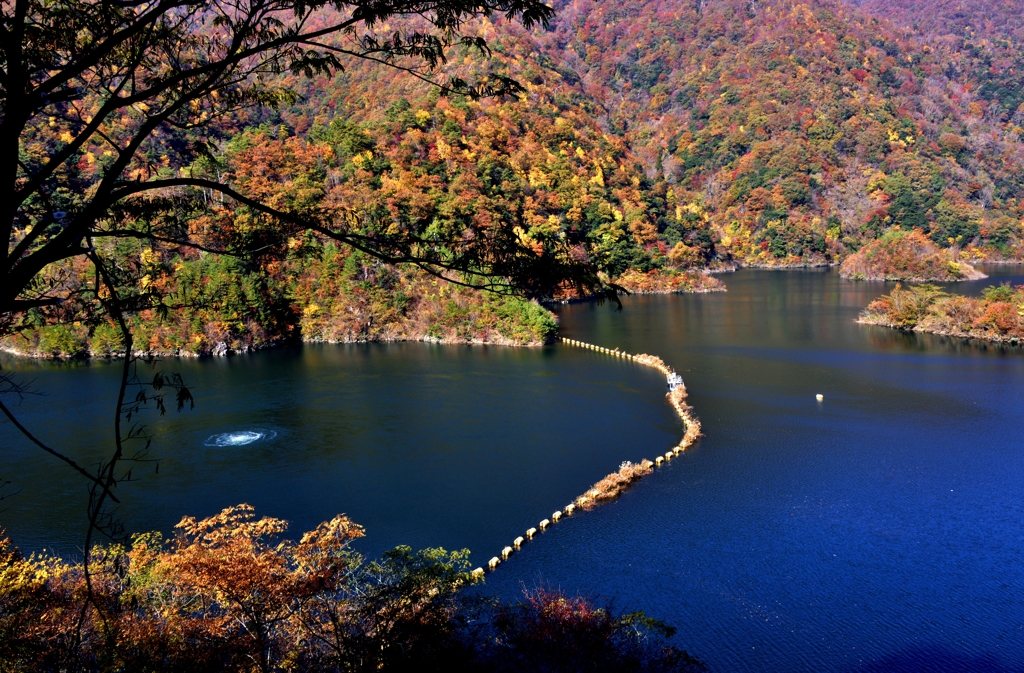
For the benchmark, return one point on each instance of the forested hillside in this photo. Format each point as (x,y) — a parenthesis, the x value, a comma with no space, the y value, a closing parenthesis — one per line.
(979,42)
(981,19)
(657,138)
(802,129)
(764,133)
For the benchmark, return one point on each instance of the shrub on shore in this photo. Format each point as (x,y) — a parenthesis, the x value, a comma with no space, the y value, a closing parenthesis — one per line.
(549,631)
(661,281)
(230,594)
(906,255)
(998,315)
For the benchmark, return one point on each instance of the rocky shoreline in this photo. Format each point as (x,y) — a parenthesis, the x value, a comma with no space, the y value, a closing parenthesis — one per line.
(969,335)
(221,349)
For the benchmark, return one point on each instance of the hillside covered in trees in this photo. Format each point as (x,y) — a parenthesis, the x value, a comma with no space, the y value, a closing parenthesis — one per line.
(801,130)
(995,316)
(659,139)
(753,133)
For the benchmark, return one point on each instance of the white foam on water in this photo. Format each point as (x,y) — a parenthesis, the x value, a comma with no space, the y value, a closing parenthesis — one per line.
(239,437)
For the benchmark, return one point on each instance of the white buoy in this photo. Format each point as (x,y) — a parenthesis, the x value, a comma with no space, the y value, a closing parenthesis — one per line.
(493,563)
(819,397)
(518,542)
(530,532)
(477,573)
(658,461)
(544,524)
(506,552)
(569,509)
(556,516)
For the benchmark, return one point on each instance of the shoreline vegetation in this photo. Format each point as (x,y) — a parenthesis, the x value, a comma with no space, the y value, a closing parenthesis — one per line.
(998,315)
(907,256)
(218,314)
(669,282)
(236,594)
(387,306)
(614,484)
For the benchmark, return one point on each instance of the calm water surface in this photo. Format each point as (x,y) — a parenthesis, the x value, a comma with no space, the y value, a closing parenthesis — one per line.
(882,530)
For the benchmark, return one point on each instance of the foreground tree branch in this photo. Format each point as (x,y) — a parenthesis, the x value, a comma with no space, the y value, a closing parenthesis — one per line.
(91,89)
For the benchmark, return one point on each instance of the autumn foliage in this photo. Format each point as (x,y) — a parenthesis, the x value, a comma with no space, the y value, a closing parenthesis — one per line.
(652,140)
(233,593)
(906,255)
(659,282)
(998,315)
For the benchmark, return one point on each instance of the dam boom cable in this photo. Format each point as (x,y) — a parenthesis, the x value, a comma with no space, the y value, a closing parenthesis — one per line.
(628,473)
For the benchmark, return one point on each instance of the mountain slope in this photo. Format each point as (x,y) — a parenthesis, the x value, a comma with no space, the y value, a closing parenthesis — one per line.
(979,41)
(655,138)
(802,129)
(760,133)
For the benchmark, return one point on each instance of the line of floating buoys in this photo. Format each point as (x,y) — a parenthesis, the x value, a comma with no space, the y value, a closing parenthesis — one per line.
(676,397)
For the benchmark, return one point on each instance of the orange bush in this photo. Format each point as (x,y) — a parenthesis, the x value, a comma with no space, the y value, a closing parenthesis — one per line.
(226,594)
(229,594)
(1001,316)
(906,255)
(996,316)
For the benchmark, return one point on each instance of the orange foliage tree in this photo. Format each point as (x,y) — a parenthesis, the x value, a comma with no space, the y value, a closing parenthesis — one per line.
(231,593)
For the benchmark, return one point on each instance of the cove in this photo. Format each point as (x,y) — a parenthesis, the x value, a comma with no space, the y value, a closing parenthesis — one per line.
(880,530)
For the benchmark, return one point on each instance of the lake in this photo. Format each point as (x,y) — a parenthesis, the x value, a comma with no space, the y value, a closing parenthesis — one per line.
(879,530)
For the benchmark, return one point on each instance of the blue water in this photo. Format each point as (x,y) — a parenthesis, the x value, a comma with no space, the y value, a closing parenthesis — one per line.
(422,444)
(880,530)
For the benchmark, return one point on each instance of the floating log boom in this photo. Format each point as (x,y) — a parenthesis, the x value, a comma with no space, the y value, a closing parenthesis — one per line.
(628,472)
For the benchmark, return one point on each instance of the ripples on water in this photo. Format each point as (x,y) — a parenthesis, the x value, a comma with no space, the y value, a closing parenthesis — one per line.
(239,437)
